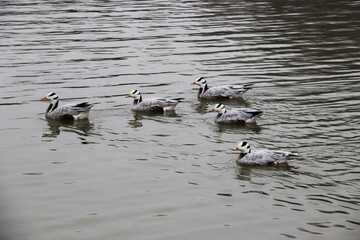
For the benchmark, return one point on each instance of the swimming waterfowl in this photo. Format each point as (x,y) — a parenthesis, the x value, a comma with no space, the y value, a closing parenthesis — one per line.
(237,115)
(220,92)
(152,104)
(261,157)
(75,111)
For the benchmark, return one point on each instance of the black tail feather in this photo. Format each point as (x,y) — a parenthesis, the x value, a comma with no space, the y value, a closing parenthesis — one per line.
(247,86)
(85,105)
(255,113)
(178,99)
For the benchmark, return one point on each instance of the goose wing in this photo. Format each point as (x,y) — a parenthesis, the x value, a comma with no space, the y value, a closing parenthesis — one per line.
(156,104)
(165,102)
(151,105)
(262,157)
(266,157)
(227,91)
(239,116)
(248,114)
(72,109)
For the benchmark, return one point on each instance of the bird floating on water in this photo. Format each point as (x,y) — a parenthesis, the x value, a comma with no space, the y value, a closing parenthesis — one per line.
(74,111)
(261,157)
(236,115)
(220,92)
(152,104)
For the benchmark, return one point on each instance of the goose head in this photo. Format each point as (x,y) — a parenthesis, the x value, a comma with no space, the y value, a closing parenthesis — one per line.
(52,97)
(243,147)
(220,108)
(200,82)
(134,94)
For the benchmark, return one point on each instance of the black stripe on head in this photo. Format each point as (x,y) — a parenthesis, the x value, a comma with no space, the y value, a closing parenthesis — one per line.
(55,98)
(201,80)
(135,92)
(220,106)
(243,144)
(51,94)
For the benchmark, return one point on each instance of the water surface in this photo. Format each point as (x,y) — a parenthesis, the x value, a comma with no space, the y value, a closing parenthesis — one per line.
(123,175)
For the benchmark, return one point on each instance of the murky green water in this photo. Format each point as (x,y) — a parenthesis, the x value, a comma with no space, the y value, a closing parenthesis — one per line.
(143,176)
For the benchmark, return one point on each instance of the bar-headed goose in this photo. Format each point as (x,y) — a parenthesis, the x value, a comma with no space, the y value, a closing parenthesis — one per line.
(74,111)
(152,104)
(236,115)
(220,92)
(261,157)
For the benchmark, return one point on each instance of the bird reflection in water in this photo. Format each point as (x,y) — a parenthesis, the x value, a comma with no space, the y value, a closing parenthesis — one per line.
(80,127)
(140,116)
(239,128)
(245,172)
(137,121)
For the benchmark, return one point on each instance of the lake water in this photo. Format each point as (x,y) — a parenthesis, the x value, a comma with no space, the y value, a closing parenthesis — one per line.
(173,176)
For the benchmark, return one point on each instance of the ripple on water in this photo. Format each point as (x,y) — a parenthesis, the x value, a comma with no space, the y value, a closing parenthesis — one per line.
(302,60)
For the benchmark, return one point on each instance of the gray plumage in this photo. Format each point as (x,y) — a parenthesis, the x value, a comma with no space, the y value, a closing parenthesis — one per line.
(220,92)
(75,111)
(152,104)
(235,116)
(261,157)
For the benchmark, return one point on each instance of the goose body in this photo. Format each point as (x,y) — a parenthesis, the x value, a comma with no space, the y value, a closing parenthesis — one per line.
(220,92)
(152,104)
(74,111)
(235,116)
(261,157)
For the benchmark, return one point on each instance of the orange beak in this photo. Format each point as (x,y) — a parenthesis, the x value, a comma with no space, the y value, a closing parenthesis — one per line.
(213,109)
(237,148)
(193,83)
(44,98)
(128,96)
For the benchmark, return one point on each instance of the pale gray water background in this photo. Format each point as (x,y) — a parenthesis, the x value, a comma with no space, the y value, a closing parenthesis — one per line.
(134,176)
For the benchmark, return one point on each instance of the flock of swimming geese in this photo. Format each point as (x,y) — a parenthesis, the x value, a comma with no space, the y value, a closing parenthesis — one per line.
(81,111)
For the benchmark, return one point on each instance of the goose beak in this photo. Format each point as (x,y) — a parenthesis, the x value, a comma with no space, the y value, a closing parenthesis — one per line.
(128,96)
(213,109)
(44,98)
(237,148)
(193,83)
